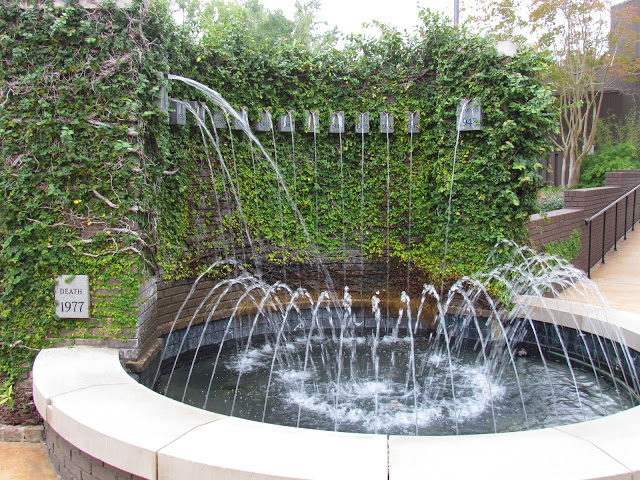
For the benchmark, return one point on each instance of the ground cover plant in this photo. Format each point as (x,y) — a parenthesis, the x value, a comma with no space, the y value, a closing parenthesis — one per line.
(78,188)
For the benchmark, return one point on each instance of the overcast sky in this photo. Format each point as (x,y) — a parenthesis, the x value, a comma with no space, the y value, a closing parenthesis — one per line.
(348,15)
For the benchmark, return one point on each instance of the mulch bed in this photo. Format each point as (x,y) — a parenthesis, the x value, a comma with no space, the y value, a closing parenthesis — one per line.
(23,412)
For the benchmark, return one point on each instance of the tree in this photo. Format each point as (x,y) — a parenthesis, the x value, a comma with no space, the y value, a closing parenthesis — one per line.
(188,11)
(498,20)
(260,24)
(306,23)
(587,57)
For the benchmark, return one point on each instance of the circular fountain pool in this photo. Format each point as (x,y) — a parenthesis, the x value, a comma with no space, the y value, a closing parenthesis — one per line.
(318,344)
(88,400)
(396,384)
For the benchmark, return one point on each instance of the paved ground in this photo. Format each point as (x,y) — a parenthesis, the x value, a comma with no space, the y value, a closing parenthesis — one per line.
(25,461)
(618,279)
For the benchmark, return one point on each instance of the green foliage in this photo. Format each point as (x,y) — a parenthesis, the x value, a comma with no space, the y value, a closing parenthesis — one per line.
(6,394)
(78,185)
(608,159)
(95,182)
(341,192)
(615,130)
(589,43)
(567,249)
(617,148)
(499,20)
(258,23)
(587,54)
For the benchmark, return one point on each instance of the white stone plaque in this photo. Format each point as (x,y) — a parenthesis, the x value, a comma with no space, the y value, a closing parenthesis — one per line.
(72,296)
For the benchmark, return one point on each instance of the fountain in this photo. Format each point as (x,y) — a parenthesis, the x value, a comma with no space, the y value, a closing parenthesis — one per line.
(451,368)
(367,386)
(335,369)
(88,400)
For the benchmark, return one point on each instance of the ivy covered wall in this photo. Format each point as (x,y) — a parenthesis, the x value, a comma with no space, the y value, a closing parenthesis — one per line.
(80,191)
(373,193)
(95,182)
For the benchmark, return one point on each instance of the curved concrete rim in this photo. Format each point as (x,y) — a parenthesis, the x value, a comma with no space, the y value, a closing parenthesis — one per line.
(85,395)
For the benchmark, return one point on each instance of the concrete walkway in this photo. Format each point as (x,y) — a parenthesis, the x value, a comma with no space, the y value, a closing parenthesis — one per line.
(25,461)
(618,279)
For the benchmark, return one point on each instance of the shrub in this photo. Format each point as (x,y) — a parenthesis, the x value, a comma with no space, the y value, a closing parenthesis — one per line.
(567,249)
(619,157)
(615,130)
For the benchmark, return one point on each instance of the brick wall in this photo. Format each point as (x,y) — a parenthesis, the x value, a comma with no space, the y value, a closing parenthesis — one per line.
(164,307)
(74,464)
(363,277)
(21,433)
(583,203)
(145,333)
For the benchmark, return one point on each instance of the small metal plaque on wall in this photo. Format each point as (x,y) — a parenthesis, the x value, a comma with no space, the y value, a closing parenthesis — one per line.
(386,122)
(413,125)
(286,123)
(469,115)
(178,113)
(242,122)
(198,111)
(337,122)
(219,120)
(313,121)
(264,124)
(72,296)
(363,122)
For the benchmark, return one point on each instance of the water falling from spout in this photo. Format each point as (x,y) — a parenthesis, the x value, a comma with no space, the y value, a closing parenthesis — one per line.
(449,212)
(388,212)
(216,98)
(409,233)
(344,234)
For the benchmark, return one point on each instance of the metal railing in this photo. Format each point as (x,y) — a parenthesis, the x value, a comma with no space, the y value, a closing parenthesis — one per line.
(603,212)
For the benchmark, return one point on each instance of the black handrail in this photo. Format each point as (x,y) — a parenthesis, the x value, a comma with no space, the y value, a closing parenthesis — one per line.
(603,212)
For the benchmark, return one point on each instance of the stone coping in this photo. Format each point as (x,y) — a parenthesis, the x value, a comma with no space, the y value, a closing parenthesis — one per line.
(85,395)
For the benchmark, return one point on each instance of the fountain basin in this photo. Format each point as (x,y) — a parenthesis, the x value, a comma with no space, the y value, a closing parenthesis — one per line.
(87,398)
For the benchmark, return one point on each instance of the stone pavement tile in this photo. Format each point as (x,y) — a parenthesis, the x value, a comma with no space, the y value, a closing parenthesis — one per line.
(25,461)
(619,277)
(621,298)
